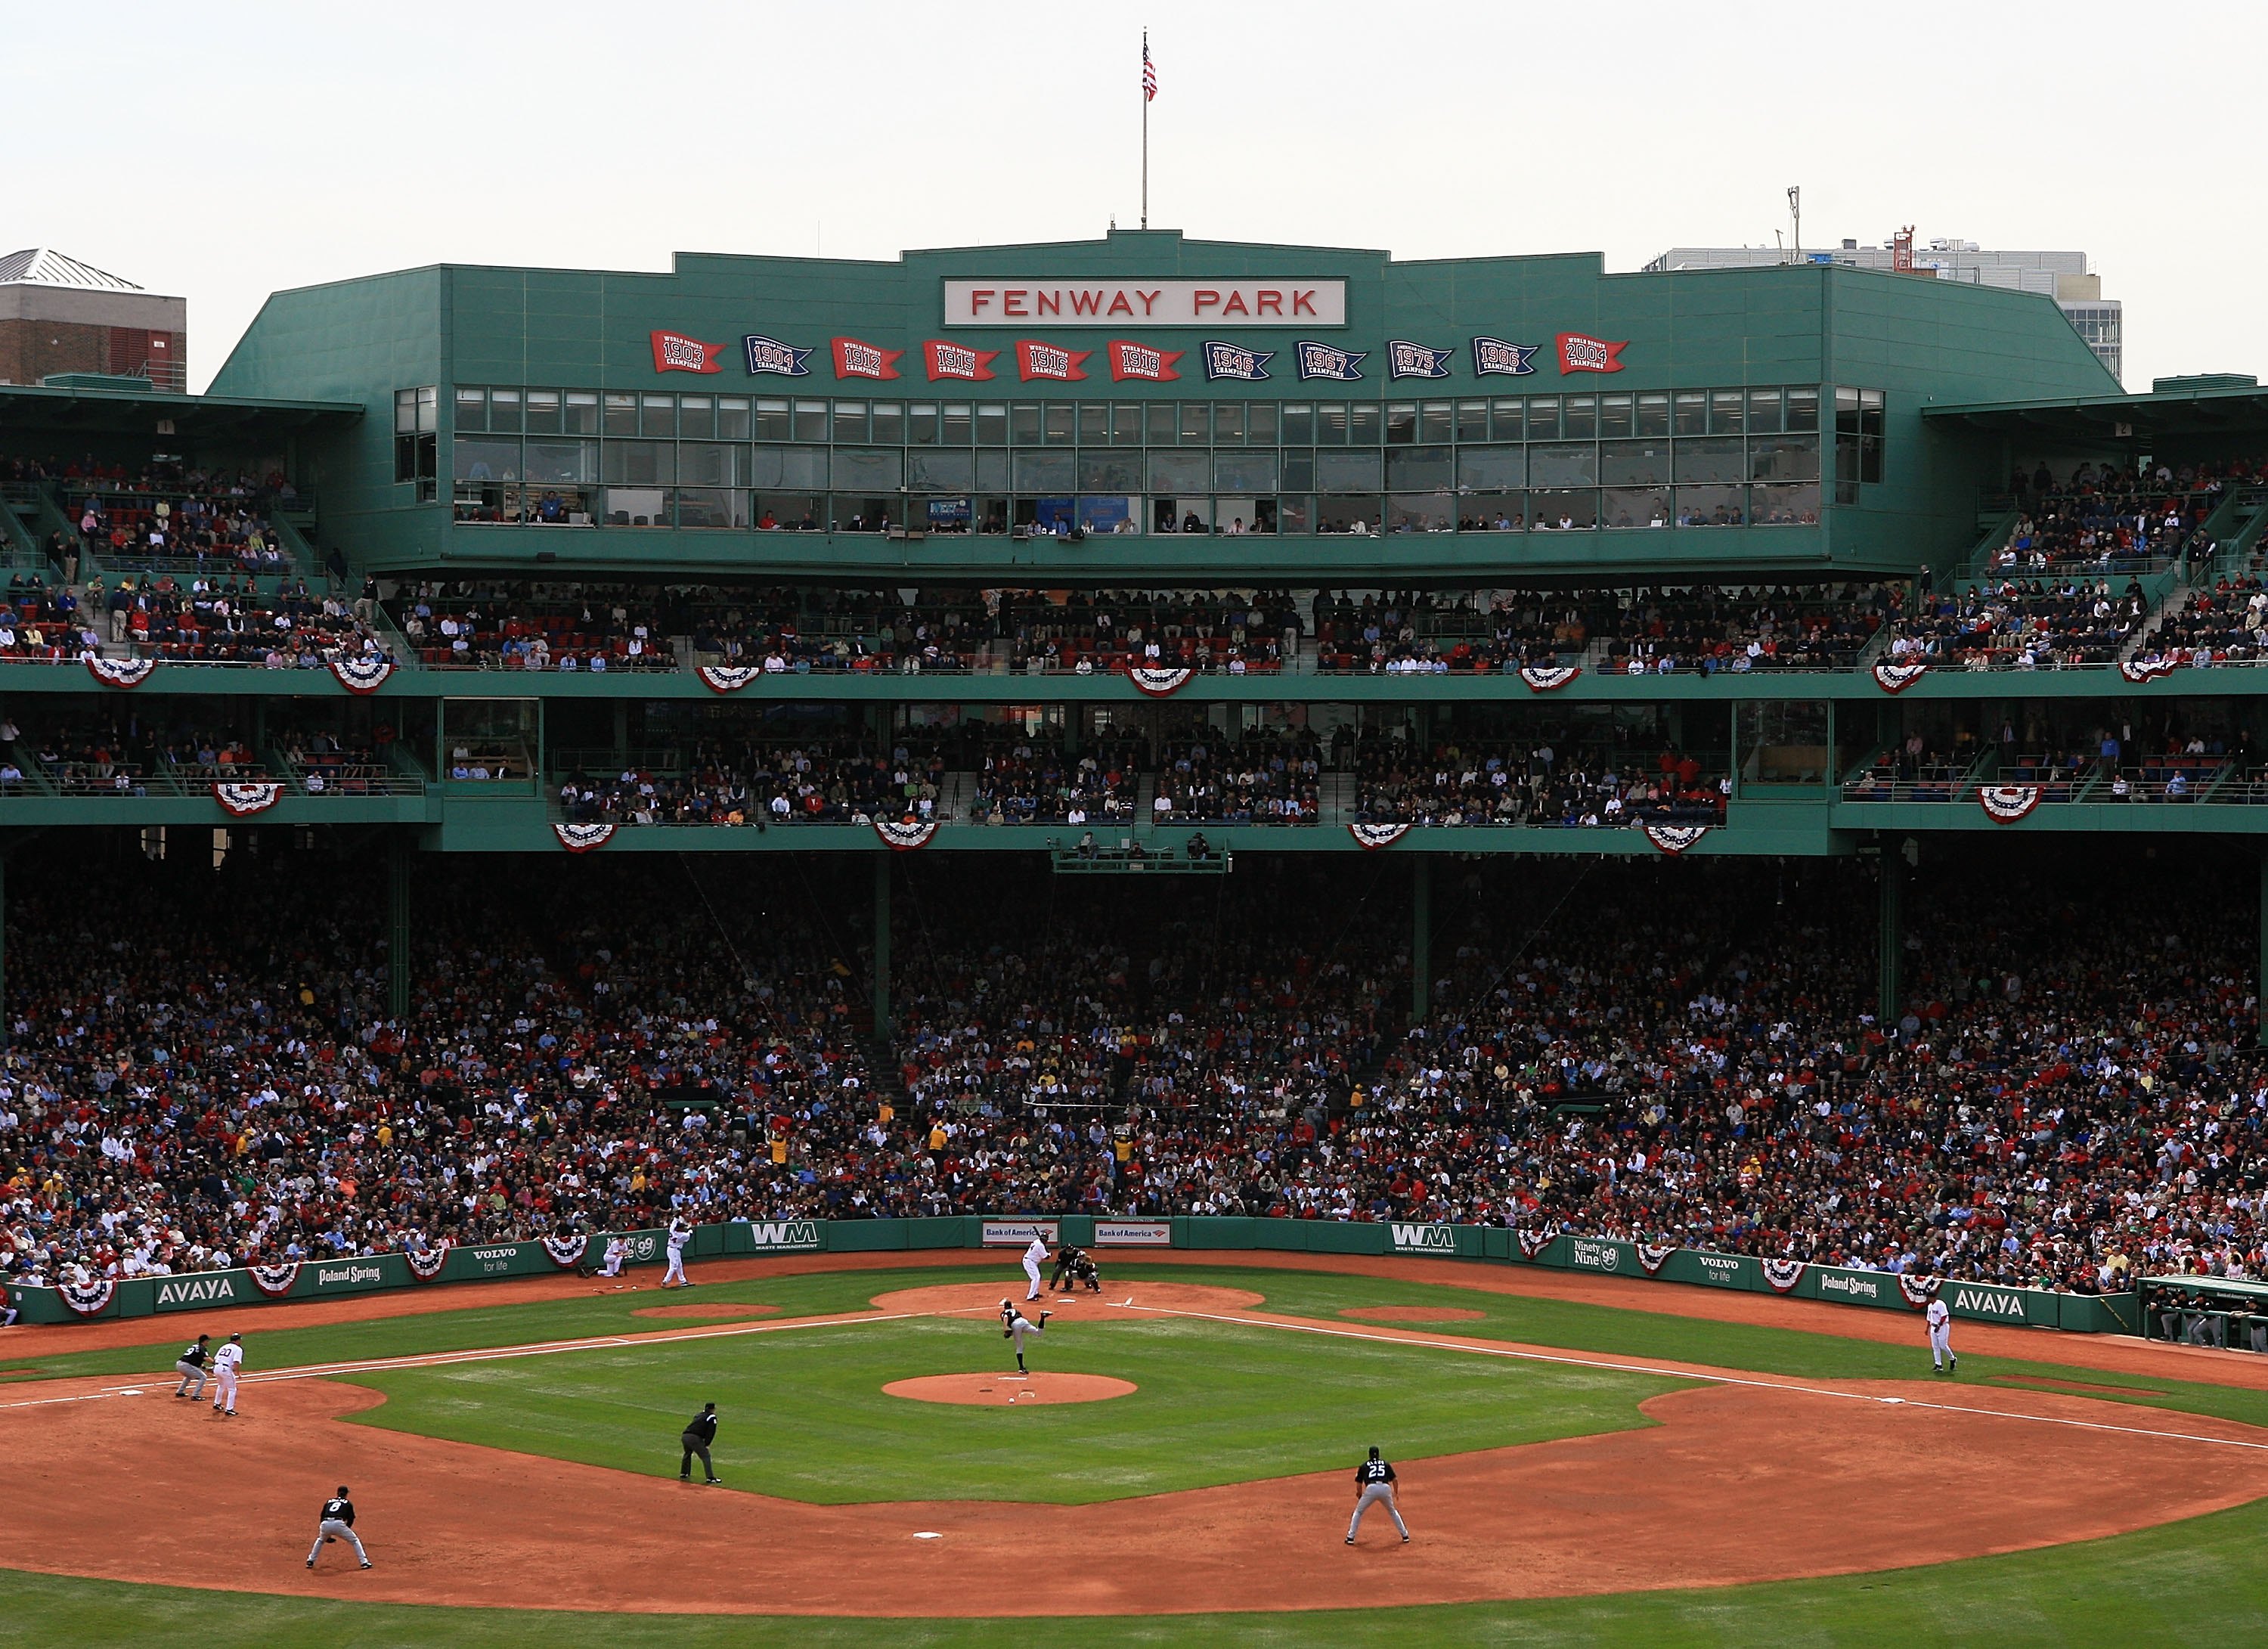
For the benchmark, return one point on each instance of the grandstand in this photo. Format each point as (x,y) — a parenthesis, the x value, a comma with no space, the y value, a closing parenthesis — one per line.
(1757,759)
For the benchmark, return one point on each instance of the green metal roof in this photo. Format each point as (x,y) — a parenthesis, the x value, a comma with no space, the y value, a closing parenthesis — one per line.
(2202,411)
(136,412)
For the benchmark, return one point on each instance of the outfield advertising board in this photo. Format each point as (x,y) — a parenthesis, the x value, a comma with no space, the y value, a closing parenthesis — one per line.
(202,1291)
(784,1236)
(1133,1233)
(1015,1233)
(1437,1239)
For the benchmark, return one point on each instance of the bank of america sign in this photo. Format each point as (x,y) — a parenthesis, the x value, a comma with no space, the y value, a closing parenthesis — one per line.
(1004,301)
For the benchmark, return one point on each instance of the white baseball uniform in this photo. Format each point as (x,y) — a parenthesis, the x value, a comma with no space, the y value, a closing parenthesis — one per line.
(679,1234)
(615,1249)
(225,1366)
(1940,1335)
(1034,1257)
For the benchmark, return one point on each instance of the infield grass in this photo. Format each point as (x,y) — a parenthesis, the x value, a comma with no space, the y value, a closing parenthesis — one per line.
(1215,1403)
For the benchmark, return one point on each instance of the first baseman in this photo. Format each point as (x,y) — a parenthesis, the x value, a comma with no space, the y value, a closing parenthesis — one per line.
(1015,1325)
(335,1521)
(1941,1359)
(1034,1257)
(1374,1482)
(190,1365)
(679,1234)
(225,1363)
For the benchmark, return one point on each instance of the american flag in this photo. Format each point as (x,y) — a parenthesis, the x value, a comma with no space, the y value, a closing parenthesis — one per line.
(1149,73)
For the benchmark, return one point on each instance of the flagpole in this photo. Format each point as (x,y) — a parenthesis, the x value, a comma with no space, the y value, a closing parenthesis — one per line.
(1145,132)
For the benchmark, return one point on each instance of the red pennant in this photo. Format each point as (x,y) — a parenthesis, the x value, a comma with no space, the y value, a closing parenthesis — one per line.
(1580,353)
(1034,359)
(959,361)
(674,352)
(1141,363)
(854,359)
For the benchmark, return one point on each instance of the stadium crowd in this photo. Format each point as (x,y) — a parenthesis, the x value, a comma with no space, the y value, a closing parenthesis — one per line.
(202,1069)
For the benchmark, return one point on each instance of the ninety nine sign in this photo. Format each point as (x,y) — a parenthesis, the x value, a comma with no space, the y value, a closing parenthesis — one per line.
(1126,304)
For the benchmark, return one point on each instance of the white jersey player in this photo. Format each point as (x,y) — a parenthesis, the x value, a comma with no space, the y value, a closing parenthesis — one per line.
(226,1361)
(1941,1359)
(617,1251)
(1034,1257)
(679,1234)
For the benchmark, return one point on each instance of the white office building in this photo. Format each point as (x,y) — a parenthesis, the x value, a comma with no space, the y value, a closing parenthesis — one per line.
(2062,275)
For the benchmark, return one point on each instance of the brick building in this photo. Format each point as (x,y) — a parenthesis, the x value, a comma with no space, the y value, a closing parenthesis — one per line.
(58,316)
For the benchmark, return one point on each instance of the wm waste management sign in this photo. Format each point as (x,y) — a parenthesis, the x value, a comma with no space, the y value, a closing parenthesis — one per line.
(1424,1238)
(784,1236)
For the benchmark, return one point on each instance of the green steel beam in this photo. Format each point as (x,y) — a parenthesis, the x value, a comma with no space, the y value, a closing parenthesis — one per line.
(1421,940)
(882,1027)
(1891,937)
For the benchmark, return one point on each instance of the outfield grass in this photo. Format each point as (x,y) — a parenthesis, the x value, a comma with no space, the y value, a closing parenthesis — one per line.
(1217,1404)
(1567,1324)
(2202,1582)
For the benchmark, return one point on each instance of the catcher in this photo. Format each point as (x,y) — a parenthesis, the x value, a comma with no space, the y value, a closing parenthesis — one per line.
(1077,1265)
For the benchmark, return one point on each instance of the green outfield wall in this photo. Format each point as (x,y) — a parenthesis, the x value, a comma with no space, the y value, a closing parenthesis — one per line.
(471,1263)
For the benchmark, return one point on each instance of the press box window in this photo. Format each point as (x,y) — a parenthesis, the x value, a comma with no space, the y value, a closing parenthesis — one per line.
(418,440)
(1857,441)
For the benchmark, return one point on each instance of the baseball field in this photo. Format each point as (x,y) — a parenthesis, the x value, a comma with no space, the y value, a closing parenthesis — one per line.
(1580,1458)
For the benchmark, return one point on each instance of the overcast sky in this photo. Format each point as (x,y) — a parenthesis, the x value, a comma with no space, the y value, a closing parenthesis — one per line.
(222,151)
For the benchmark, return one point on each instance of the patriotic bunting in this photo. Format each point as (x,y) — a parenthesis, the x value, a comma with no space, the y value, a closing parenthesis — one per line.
(1896,678)
(2005,804)
(1533,1243)
(275,1281)
(583,838)
(1916,1292)
(1374,836)
(2140,670)
(426,1265)
(88,1300)
(1652,1258)
(362,675)
(566,1252)
(1675,839)
(905,836)
(1783,1275)
(1156,682)
(727,677)
(121,672)
(240,801)
(1549,678)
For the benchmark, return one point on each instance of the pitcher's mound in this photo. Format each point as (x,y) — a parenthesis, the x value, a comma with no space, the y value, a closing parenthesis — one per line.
(1026,1391)
(1412,1314)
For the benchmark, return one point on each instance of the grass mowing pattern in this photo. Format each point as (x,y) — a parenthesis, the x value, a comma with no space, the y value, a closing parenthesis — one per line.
(2204,1581)
(1217,1404)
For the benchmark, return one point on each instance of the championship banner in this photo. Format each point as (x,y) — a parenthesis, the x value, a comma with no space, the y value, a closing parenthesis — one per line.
(275,1281)
(1141,363)
(674,352)
(1549,678)
(1235,363)
(769,355)
(2140,670)
(1579,352)
(1495,358)
(1783,1275)
(1404,359)
(958,362)
(566,1252)
(121,673)
(241,801)
(425,1265)
(1328,361)
(1374,836)
(361,675)
(855,359)
(1017,1234)
(1156,682)
(1675,839)
(88,1300)
(1896,678)
(1054,364)
(727,677)
(904,837)
(2005,804)
(583,838)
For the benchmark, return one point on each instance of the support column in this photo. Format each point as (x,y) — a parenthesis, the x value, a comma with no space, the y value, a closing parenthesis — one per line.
(2260,987)
(882,943)
(397,930)
(1421,936)
(3,949)
(1889,994)
(622,733)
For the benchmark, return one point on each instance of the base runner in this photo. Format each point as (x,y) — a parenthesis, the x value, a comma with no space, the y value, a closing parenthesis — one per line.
(1374,1485)
(1941,1359)
(335,1521)
(1017,1326)
(190,1365)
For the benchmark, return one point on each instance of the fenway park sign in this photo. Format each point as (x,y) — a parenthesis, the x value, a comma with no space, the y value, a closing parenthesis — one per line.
(998,300)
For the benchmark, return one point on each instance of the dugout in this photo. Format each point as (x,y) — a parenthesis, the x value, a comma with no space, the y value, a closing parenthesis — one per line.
(2217,1311)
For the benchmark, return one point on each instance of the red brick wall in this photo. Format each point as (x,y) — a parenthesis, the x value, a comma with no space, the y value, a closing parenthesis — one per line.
(33,349)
